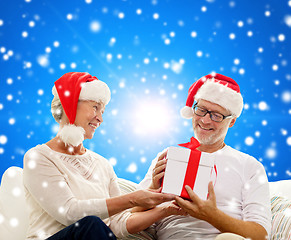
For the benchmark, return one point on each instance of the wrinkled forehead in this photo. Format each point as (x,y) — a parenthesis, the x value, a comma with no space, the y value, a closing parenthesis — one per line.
(211,106)
(99,103)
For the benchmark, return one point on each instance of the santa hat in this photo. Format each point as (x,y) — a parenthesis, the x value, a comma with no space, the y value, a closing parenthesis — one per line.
(70,88)
(216,88)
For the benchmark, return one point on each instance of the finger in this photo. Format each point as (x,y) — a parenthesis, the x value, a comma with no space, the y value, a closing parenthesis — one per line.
(178,210)
(160,166)
(211,191)
(163,155)
(184,204)
(193,196)
(157,178)
(167,197)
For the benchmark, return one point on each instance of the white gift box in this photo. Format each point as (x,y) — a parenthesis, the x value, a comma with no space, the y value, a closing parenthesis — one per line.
(187,167)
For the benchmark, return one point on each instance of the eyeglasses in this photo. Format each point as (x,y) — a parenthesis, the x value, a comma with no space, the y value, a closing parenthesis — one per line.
(214,116)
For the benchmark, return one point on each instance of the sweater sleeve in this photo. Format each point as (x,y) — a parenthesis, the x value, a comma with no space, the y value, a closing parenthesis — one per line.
(49,189)
(117,221)
(255,193)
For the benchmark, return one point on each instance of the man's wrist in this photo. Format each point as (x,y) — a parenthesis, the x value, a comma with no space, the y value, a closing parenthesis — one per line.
(214,215)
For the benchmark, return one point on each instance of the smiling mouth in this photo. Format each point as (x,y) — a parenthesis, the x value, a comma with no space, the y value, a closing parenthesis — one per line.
(94,125)
(206,129)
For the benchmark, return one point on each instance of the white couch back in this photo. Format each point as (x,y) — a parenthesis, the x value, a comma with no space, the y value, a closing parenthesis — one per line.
(13,210)
(280,188)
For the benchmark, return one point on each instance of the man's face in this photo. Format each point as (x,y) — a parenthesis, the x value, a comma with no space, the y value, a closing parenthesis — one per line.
(207,131)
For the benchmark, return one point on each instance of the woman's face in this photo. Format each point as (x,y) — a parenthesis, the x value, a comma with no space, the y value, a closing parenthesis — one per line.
(89,116)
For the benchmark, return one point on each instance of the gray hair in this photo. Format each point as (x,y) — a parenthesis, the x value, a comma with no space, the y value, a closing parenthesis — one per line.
(57,108)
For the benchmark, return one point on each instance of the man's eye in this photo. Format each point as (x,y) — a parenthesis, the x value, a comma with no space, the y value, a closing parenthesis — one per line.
(202,110)
(217,116)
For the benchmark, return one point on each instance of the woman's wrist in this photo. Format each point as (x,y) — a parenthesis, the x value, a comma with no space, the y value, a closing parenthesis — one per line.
(162,211)
(133,198)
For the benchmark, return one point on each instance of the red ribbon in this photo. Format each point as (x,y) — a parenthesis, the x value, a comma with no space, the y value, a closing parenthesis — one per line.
(193,144)
(192,166)
(191,172)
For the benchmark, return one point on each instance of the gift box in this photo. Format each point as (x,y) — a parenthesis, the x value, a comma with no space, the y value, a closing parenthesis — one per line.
(187,167)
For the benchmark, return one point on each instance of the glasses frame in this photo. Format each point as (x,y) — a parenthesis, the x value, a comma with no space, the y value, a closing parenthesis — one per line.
(210,113)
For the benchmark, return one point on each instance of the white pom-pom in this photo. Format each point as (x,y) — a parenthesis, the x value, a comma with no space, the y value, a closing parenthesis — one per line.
(71,135)
(187,112)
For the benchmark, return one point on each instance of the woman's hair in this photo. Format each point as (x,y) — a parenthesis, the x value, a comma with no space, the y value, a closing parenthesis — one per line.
(57,108)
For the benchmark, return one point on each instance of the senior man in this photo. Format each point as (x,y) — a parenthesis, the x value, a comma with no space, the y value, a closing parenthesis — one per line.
(238,206)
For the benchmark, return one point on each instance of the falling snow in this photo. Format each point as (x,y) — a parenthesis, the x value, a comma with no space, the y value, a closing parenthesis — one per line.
(149,57)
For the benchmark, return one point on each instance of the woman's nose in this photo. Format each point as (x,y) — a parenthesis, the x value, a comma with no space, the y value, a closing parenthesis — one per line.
(99,117)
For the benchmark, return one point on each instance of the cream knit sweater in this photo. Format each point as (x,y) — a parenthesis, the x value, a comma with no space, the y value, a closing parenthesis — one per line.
(61,189)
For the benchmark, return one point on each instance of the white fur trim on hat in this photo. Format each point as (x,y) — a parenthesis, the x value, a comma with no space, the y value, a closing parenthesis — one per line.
(187,112)
(71,135)
(95,91)
(222,95)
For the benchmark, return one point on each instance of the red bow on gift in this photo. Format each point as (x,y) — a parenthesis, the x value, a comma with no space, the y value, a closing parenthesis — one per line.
(193,164)
(193,144)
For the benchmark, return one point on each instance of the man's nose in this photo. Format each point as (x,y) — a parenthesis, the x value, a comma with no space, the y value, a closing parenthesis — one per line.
(206,118)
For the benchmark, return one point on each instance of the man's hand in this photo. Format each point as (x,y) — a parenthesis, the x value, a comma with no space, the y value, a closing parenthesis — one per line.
(159,171)
(197,207)
(208,211)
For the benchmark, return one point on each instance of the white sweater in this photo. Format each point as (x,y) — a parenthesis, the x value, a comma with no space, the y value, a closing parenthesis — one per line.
(61,189)
(241,189)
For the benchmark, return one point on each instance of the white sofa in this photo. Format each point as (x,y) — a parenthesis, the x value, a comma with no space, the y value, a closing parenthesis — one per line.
(14,214)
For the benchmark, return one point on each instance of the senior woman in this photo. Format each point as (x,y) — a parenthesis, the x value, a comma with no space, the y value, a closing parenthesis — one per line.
(71,191)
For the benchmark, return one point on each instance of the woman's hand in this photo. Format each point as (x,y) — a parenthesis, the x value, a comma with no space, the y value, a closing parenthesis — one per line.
(147,199)
(172,208)
(141,220)
(159,171)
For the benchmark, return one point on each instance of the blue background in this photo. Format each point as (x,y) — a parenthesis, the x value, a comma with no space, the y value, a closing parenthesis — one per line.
(149,53)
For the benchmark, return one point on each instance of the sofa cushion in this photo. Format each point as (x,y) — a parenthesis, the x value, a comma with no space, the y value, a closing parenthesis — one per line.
(281,218)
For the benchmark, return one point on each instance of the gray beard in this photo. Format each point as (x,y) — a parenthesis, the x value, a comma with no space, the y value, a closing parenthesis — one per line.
(212,138)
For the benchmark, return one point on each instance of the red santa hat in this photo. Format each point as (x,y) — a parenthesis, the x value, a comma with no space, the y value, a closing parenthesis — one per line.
(216,88)
(70,88)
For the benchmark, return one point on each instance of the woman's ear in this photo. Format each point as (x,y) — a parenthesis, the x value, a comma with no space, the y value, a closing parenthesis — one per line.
(64,120)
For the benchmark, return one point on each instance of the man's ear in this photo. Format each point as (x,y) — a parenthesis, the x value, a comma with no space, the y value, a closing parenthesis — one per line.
(232,122)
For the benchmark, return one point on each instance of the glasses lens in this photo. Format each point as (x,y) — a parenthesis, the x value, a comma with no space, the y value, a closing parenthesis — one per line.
(200,111)
(217,117)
